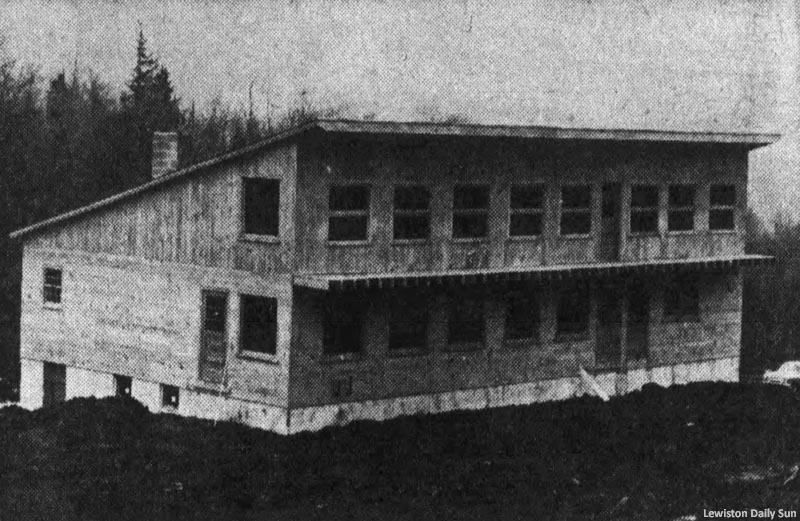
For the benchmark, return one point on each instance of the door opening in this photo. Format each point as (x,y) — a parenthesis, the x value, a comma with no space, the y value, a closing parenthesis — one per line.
(608,349)
(54,384)
(213,345)
(638,321)
(610,222)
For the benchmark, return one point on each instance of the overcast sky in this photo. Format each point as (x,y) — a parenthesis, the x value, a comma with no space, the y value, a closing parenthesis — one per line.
(677,64)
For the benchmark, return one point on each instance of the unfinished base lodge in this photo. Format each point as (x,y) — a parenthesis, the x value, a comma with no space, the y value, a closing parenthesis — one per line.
(348,270)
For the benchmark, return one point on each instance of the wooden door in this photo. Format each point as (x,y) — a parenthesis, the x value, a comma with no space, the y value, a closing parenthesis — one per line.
(610,222)
(54,384)
(638,330)
(608,349)
(213,342)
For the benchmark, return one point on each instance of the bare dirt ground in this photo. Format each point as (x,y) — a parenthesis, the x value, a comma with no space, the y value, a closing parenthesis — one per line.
(655,454)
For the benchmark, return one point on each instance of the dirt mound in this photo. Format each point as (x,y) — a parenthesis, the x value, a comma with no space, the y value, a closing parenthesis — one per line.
(651,453)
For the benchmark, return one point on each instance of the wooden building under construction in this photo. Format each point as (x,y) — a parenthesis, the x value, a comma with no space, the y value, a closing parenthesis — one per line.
(347,270)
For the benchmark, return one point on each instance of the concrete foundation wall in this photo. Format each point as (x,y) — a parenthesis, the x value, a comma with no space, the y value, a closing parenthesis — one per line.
(148,393)
(315,418)
(31,383)
(282,421)
(141,319)
(82,383)
(85,383)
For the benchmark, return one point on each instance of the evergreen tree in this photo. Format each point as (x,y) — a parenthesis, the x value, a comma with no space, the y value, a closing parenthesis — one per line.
(58,98)
(61,129)
(149,106)
(143,73)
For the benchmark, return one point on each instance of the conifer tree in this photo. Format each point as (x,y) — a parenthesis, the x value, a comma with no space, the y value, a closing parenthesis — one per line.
(143,73)
(150,106)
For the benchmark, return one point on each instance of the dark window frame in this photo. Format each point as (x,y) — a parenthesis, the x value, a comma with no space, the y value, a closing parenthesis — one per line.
(335,331)
(525,210)
(123,386)
(404,308)
(571,300)
(465,332)
(529,299)
(464,214)
(722,212)
(217,318)
(52,290)
(681,299)
(170,397)
(342,387)
(569,212)
(272,188)
(248,340)
(644,213)
(410,213)
(54,383)
(336,214)
(676,211)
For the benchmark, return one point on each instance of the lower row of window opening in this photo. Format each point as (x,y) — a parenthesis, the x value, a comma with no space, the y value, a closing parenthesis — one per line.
(409,317)
(258,322)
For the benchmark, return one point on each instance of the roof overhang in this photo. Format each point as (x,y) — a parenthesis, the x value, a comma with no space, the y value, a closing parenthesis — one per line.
(385,128)
(749,140)
(532,273)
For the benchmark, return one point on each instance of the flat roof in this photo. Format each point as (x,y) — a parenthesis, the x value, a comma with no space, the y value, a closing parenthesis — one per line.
(513,274)
(753,140)
(340,126)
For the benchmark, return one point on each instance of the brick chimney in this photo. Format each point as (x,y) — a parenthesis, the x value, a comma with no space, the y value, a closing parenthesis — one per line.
(165,153)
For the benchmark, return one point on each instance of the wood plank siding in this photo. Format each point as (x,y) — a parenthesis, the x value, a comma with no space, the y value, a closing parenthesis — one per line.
(134,269)
(196,221)
(133,276)
(377,372)
(441,164)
